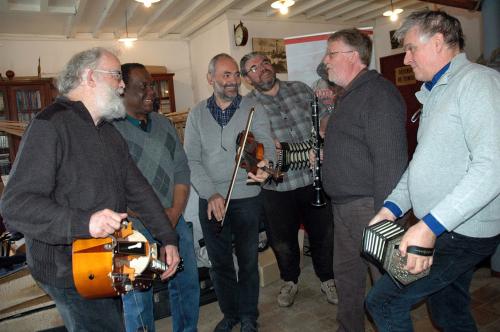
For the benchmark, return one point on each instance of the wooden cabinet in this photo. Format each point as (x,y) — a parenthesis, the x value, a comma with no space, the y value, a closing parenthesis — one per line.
(20,100)
(164,86)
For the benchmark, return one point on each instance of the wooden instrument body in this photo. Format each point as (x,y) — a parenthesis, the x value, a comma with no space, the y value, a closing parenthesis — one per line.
(101,268)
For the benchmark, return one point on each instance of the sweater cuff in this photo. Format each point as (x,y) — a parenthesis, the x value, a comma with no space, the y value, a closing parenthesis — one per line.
(433,224)
(396,211)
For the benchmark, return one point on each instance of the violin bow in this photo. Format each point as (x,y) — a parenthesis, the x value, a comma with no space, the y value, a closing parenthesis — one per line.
(238,162)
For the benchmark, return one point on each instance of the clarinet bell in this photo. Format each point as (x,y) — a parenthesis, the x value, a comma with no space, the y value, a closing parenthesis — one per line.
(319,199)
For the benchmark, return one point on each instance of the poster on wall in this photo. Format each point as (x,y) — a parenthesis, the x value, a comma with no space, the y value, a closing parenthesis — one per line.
(275,51)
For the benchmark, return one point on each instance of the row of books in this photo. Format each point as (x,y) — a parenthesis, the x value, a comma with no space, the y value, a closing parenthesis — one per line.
(28,100)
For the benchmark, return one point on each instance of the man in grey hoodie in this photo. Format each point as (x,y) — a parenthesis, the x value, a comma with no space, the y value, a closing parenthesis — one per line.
(452,182)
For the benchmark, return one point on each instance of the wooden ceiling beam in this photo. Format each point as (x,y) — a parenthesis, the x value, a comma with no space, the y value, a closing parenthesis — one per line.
(465,4)
(216,11)
(297,10)
(108,10)
(159,11)
(183,18)
(252,6)
(74,19)
(323,9)
(345,9)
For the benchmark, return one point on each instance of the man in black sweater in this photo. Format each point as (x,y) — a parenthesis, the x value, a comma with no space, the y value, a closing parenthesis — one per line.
(365,155)
(74,178)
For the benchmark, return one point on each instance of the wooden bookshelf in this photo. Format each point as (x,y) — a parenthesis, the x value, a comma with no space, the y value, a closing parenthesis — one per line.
(20,100)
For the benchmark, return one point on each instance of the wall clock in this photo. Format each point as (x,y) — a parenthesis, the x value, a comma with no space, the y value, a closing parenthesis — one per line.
(240,35)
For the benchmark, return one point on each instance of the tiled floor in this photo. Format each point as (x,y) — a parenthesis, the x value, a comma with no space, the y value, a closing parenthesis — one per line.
(311,312)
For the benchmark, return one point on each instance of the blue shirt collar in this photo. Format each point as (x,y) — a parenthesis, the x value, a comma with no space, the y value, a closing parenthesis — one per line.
(223,116)
(429,85)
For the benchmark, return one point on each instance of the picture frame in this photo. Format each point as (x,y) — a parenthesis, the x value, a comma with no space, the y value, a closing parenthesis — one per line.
(274,49)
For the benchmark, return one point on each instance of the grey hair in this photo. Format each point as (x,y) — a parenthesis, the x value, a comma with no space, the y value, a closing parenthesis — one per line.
(359,41)
(213,62)
(71,76)
(431,22)
(248,57)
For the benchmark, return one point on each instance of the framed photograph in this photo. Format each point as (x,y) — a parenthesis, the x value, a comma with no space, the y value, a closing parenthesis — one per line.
(274,49)
(394,42)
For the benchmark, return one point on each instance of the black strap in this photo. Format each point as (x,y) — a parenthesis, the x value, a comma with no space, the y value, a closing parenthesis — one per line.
(416,250)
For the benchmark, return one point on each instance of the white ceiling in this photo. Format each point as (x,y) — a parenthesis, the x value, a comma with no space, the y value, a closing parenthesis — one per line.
(170,19)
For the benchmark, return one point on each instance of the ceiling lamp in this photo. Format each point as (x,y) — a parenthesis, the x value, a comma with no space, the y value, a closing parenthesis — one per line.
(127,41)
(393,13)
(282,5)
(147,3)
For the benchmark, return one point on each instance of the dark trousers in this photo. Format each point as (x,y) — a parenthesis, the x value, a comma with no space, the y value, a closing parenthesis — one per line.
(82,315)
(350,268)
(238,295)
(446,288)
(285,212)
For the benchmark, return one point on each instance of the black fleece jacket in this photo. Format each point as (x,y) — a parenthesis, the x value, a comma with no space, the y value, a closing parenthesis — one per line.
(365,150)
(66,169)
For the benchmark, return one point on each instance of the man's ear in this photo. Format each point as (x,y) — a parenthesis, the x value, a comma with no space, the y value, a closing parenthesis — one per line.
(438,41)
(210,79)
(88,78)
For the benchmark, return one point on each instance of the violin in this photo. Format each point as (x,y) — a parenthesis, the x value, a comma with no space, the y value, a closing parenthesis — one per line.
(252,154)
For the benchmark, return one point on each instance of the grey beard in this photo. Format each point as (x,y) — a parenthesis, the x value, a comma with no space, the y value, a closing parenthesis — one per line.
(111,104)
(266,86)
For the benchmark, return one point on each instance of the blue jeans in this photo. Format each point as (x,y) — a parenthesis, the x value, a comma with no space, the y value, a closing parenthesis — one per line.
(238,295)
(446,288)
(183,289)
(82,315)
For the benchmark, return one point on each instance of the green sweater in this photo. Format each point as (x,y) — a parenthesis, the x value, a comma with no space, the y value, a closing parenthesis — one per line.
(158,154)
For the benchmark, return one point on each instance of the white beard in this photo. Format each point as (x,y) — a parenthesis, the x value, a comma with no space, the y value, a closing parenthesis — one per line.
(110,103)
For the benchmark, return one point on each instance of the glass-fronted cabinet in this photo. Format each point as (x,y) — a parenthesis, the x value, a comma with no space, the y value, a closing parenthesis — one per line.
(4,139)
(20,100)
(164,86)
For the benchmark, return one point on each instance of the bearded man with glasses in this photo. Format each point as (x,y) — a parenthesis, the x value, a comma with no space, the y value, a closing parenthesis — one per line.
(74,178)
(288,204)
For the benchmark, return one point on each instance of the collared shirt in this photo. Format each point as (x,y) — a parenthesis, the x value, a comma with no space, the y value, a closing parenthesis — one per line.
(429,85)
(223,116)
(141,124)
(290,115)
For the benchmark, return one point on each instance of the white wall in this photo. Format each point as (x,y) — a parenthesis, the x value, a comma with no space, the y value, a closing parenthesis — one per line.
(203,47)
(471,25)
(21,56)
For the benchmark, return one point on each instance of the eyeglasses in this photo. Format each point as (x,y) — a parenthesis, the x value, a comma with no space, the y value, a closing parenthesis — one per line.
(115,73)
(254,68)
(332,53)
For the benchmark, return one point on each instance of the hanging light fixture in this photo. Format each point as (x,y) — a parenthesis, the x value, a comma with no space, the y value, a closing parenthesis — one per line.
(127,41)
(147,3)
(282,5)
(393,13)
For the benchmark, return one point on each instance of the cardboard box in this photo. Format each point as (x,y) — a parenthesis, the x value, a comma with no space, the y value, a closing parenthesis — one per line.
(268,266)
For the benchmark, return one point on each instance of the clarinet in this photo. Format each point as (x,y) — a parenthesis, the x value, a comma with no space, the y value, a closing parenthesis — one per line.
(319,196)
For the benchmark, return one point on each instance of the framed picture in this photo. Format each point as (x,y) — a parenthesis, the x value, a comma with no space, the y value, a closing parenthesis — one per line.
(394,42)
(275,51)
